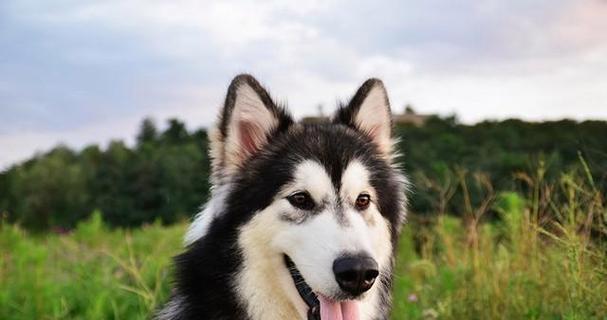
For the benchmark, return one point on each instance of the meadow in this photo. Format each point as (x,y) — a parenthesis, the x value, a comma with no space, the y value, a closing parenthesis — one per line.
(542,257)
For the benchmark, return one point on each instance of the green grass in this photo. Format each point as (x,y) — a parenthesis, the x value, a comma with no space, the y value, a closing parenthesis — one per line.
(498,279)
(92,273)
(544,259)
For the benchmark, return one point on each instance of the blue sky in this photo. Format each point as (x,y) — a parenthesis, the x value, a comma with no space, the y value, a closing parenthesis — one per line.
(87,71)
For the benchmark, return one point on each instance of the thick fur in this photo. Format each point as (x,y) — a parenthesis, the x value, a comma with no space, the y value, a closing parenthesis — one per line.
(232,267)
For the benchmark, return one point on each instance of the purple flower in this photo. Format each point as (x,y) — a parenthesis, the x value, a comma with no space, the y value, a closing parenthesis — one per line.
(412,297)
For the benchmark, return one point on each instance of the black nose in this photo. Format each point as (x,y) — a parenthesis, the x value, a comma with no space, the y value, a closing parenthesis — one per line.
(355,274)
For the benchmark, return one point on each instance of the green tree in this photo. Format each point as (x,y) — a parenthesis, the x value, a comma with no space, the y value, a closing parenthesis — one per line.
(147,132)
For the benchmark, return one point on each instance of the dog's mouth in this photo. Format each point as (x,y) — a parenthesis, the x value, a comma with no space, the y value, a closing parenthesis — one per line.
(319,306)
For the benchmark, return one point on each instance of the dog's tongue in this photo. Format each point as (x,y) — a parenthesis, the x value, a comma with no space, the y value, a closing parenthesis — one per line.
(336,310)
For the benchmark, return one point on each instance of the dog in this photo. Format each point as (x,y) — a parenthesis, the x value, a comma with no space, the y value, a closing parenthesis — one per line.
(303,219)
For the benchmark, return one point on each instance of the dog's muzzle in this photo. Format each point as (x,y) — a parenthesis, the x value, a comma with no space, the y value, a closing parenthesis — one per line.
(306,293)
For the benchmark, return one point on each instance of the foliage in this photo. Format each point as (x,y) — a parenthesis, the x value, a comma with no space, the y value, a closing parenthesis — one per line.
(91,273)
(165,175)
(537,262)
(436,153)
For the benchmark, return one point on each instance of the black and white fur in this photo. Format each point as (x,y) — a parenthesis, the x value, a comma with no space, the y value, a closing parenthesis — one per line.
(233,266)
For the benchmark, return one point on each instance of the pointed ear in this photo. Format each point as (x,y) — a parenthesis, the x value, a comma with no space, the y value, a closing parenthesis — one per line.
(246,124)
(369,112)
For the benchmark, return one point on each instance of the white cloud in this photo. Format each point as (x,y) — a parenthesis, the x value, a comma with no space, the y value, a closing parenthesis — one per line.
(489,59)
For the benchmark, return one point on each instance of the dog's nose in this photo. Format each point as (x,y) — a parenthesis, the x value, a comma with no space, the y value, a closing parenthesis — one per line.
(355,274)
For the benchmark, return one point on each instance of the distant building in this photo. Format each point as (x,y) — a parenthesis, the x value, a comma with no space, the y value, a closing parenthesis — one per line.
(315,119)
(320,118)
(409,116)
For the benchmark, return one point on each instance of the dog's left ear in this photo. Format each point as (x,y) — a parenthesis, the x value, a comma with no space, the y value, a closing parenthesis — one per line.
(248,121)
(369,112)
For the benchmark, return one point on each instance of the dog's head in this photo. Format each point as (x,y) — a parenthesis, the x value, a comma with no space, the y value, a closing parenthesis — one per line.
(322,203)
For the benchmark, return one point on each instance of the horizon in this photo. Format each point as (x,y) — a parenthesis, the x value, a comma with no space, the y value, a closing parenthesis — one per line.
(161,125)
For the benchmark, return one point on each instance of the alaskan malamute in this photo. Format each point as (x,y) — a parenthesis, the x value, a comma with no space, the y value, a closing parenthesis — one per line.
(304,218)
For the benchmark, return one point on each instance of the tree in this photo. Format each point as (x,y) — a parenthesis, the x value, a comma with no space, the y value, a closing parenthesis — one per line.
(147,132)
(175,133)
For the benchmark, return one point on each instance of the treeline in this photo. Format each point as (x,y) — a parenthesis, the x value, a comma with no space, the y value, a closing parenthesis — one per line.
(456,167)
(452,167)
(164,176)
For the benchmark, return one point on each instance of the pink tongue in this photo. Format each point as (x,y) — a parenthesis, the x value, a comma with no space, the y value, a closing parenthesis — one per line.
(335,310)
(349,310)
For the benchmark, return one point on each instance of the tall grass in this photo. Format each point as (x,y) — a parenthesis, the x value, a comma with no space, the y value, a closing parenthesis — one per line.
(92,273)
(543,257)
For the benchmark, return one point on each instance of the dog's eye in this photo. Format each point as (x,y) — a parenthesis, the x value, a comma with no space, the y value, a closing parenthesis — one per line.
(363,201)
(301,200)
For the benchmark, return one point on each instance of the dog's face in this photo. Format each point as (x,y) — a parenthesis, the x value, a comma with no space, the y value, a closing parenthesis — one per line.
(322,202)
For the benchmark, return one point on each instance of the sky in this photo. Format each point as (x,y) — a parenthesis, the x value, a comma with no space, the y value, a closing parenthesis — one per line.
(79,72)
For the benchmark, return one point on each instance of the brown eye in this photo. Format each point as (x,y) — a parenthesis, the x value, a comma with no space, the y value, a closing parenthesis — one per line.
(301,200)
(363,201)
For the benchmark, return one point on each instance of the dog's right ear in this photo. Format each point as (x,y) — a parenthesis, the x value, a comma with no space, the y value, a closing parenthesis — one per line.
(246,124)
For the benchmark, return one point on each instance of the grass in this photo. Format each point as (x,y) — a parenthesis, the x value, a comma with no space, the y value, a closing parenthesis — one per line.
(544,258)
(92,273)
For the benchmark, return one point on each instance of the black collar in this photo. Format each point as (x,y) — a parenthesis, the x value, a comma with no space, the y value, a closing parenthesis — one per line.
(304,290)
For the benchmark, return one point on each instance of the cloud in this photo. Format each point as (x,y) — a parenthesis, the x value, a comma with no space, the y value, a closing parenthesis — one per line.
(80,71)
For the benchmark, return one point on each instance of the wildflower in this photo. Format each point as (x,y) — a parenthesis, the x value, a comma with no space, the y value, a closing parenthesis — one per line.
(412,297)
